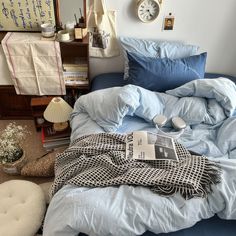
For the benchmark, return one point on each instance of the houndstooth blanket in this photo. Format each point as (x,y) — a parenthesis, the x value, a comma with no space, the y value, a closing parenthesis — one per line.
(99,160)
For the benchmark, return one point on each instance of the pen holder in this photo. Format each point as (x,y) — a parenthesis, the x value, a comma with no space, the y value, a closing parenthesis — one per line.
(80,33)
(70,29)
(81,22)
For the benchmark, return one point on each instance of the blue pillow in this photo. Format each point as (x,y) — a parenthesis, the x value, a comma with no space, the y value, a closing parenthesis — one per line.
(161,74)
(154,49)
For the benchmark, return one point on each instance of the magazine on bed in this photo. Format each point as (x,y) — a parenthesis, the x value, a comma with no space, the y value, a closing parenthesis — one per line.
(143,145)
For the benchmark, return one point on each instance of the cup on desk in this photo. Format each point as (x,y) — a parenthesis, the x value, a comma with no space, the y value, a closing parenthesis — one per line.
(70,28)
(47,30)
(63,36)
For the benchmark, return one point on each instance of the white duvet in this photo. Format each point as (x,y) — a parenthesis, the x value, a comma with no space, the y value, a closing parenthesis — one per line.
(209,109)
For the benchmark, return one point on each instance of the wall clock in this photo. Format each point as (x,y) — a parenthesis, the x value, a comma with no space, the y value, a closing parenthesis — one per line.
(148,10)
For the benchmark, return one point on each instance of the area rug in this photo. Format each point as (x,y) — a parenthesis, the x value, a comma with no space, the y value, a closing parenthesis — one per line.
(32,146)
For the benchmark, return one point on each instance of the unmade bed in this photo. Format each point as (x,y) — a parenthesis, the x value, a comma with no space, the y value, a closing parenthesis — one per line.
(136,210)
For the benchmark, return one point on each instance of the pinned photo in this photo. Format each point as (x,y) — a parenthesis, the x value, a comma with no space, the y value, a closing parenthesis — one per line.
(169,23)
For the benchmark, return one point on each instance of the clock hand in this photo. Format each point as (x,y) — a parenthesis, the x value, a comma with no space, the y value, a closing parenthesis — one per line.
(149,12)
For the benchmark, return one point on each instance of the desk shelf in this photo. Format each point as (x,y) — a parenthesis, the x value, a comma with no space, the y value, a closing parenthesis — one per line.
(38,106)
(75,62)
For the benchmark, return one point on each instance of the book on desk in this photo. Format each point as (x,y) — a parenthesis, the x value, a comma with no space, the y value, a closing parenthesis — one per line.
(53,139)
(75,71)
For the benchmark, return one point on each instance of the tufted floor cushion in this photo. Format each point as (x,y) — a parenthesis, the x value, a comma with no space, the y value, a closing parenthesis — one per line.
(22,208)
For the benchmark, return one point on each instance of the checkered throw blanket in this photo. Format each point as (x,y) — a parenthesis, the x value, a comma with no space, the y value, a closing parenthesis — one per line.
(99,160)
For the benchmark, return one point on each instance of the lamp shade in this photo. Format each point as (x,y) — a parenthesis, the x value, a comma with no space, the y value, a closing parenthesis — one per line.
(57,111)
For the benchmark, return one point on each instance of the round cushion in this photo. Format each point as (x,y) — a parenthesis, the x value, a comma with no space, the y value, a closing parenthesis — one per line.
(22,208)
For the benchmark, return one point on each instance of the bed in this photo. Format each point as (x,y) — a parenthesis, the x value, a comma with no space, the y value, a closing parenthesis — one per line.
(87,201)
(56,224)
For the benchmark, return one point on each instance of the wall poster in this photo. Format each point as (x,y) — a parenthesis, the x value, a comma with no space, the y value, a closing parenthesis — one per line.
(25,15)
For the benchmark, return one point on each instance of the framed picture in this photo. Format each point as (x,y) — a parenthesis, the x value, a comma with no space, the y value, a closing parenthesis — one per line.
(169,23)
(26,15)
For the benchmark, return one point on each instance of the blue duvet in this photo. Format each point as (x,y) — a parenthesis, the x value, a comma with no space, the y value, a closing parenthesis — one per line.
(209,109)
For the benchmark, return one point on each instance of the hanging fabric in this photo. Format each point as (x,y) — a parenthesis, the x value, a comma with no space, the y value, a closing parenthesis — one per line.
(34,64)
(102,31)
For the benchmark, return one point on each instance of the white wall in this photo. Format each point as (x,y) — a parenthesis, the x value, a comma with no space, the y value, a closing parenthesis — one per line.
(68,8)
(207,23)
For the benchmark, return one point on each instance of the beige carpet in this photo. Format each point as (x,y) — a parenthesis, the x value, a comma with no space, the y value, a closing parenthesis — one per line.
(32,147)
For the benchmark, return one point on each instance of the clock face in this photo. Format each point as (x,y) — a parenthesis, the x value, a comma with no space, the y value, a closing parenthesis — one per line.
(148,10)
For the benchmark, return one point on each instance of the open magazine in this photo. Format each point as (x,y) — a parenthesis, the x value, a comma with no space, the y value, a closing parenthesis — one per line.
(143,145)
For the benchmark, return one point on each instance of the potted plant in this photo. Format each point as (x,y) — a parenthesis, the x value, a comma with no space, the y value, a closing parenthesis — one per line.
(12,156)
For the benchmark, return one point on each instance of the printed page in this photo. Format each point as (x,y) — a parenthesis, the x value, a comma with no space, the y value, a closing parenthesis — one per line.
(142,145)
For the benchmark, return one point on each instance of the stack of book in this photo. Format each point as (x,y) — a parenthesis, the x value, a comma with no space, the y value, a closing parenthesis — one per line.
(52,139)
(75,71)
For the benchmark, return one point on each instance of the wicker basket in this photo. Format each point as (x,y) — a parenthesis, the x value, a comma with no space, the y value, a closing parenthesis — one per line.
(14,168)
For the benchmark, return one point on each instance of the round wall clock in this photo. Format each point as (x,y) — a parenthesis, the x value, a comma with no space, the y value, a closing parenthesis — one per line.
(148,10)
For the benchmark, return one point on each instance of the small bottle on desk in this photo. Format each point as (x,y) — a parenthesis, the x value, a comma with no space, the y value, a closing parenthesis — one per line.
(80,28)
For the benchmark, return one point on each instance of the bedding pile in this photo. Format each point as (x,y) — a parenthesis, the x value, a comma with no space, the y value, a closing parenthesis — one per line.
(99,161)
(207,106)
(209,109)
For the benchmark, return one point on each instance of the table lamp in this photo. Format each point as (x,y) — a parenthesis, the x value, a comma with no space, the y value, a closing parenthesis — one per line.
(58,112)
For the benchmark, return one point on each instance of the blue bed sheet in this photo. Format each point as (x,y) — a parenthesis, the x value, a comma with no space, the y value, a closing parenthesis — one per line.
(209,227)
(116,79)
(107,80)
